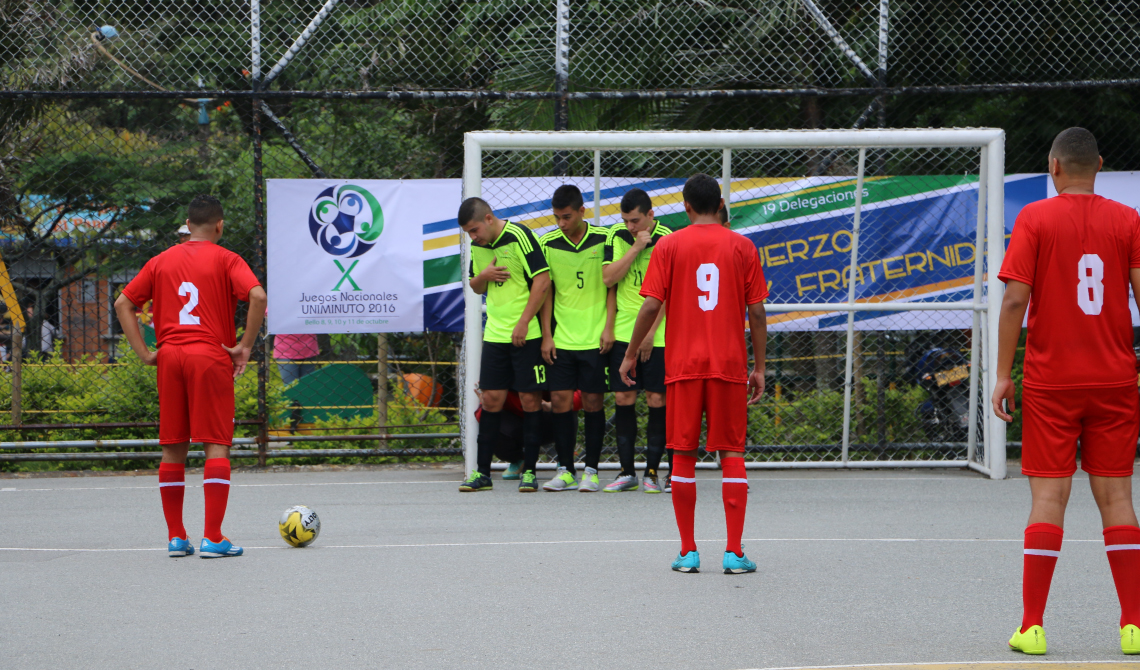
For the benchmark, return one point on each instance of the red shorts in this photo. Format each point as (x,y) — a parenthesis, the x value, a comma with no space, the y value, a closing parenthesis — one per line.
(1105,420)
(724,405)
(195,394)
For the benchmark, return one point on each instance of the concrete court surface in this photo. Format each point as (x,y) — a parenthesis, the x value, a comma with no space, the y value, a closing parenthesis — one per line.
(871,567)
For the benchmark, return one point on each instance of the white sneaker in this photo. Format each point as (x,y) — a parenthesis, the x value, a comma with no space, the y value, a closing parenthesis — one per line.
(590,482)
(622,483)
(561,481)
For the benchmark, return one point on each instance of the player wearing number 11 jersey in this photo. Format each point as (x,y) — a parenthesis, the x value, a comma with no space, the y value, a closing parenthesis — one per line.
(1071,260)
(195,286)
(708,277)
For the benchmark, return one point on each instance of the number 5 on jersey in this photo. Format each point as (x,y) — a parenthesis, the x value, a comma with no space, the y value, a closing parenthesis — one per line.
(186,317)
(1090,284)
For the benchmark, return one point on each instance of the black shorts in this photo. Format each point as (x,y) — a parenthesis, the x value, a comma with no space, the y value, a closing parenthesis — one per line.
(650,374)
(506,366)
(583,371)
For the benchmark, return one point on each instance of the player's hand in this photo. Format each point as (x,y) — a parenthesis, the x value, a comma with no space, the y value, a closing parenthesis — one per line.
(151,358)
(755,385)
(240,356)
(608,340)
(518,335)
(646,349)
(549,352)
(1004,390)
(642,239)
(495,273)
(628,369)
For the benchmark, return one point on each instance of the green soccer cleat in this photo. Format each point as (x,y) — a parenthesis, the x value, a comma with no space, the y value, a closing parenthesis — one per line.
(528,482)
(476,482)
(1031,641)
(589,483)
(1130,639)
(513,471)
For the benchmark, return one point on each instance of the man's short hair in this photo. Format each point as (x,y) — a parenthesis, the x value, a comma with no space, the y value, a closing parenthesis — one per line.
(637,199)
(204,209)
(702,192)
(1076,149)
(567,195)
(473,209)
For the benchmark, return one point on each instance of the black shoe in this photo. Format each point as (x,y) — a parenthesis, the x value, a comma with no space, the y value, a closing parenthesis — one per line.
(476,482)
(528,482)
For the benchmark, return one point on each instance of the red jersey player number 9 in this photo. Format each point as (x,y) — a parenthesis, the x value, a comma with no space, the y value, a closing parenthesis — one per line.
(708,280)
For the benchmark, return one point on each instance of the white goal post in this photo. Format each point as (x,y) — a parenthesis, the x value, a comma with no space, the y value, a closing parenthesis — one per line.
(987,150)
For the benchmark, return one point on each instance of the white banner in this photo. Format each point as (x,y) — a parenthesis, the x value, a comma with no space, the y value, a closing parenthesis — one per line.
(347,256)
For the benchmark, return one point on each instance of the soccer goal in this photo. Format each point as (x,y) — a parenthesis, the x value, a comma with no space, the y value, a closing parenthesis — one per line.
(877,247)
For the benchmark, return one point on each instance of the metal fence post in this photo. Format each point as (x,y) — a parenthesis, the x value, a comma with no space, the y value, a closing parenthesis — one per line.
(561,80)
(382,382)
(17,372)
(976,360)
(259,223)
(995,252)
(851,276)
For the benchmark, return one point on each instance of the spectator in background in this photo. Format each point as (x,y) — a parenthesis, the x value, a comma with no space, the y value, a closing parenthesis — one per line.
(183,233)
(48,334)
(291,352)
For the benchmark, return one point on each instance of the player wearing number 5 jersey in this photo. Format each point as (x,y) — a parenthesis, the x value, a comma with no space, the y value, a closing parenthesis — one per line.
(708,277)
(195,286)
(1071,260)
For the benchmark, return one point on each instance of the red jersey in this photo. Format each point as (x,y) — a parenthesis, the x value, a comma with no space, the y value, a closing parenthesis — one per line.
(1075,251)
(706,275)
(195,287)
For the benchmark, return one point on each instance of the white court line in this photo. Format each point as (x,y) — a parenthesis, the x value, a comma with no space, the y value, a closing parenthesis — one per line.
(959,663)
(564,542)
(457,481)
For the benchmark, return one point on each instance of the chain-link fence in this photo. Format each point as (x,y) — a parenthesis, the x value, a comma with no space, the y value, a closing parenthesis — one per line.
(114,114)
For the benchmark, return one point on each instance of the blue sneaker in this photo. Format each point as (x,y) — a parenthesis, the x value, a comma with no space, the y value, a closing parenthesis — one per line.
(690,562)
(219,549)
(179,547)
(735,565)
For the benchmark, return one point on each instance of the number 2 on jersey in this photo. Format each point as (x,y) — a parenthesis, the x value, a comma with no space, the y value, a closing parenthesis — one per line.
(708,280)
(185,317)
(1090,284)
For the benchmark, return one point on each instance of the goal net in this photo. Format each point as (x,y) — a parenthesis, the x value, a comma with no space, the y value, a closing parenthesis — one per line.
(881,309)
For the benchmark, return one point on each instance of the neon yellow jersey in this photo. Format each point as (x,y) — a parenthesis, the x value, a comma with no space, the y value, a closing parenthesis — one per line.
(518,250)
(629,298)
(579,290)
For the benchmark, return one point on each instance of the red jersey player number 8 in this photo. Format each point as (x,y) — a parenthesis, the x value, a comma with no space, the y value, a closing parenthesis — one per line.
(708,280)
(1090,284)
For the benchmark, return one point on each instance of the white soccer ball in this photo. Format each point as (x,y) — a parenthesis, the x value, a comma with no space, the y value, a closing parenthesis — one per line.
(299,526)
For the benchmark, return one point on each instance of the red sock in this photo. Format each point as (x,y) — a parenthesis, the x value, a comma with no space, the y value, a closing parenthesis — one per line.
(684,473)
(172,488)
(216,486)
(1042,547)
(1122,544)
(734,491)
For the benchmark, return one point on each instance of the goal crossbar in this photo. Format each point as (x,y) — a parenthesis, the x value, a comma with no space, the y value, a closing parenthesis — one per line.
(987,290)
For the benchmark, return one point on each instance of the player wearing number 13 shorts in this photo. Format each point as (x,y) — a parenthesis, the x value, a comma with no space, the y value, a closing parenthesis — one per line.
(1071,259)
(195,287)
(707,277)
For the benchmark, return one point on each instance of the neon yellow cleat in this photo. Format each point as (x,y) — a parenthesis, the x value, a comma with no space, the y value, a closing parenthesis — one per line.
(1031,641)
(1130,639)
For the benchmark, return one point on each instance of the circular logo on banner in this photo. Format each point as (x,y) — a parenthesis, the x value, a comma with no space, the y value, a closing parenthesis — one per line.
(346,221)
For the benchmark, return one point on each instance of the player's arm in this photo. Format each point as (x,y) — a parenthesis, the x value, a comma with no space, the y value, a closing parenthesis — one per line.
(549,353)
(758,324)
(618,269)
(125,310)
(239,354)
(646,317)
(493,272)
(608,337)
(539,288)
(646,348)
(1134,278)
(1013,307)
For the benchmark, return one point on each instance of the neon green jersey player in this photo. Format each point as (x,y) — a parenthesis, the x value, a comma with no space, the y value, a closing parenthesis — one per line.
(629,249)
(508,266)
(573,323)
